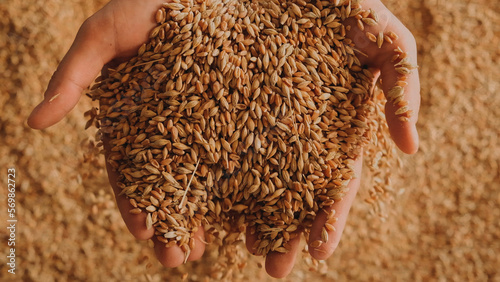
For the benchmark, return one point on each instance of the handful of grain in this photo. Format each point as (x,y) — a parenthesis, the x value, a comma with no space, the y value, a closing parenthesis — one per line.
(239,113)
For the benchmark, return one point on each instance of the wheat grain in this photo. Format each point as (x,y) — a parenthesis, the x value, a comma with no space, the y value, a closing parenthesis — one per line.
(241,112)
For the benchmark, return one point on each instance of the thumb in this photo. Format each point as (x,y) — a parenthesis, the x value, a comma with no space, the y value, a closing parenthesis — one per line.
(87,55)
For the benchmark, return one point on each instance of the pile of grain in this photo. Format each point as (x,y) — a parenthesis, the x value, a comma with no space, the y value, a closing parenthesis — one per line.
(443,226)
(241,113)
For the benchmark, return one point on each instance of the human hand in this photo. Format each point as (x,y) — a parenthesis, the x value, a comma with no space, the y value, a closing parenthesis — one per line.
(404,133)
(111,35)
(116,32)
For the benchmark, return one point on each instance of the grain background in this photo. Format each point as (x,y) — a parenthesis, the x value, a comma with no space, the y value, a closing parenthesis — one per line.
(443,226)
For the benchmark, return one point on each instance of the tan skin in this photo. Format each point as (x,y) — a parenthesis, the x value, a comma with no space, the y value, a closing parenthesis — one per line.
(114,33)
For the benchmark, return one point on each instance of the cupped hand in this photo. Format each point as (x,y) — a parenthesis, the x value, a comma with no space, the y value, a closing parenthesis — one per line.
(115,33)
(404,133)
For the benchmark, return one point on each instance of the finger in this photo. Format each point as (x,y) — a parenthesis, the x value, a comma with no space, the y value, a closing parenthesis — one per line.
(174,256)
(404,133)
(279,265)
(251,238)
(341,209)
(199,245)
(136,223)
(92,47)
(109,34)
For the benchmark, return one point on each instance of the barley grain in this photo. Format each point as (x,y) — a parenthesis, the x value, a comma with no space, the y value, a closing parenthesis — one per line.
(241,112)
